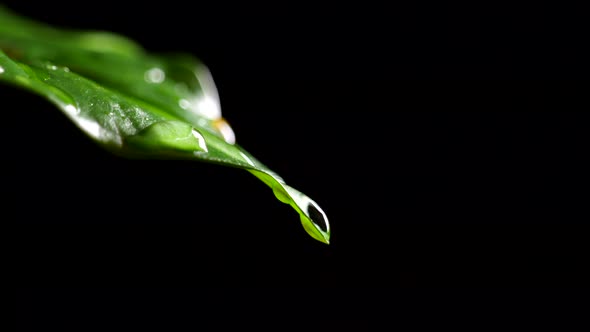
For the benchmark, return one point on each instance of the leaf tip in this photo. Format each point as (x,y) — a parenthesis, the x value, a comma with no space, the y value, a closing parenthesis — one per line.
(314,221)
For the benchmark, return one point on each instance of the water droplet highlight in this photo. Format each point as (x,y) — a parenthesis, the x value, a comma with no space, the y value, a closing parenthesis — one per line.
(72,110)
(154,75)
(317,217)
(200,140)
(91,127)
(202,105)
(1,70)
(185,104)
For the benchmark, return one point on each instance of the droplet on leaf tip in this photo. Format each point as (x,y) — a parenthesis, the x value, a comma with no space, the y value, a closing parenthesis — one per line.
(317,217)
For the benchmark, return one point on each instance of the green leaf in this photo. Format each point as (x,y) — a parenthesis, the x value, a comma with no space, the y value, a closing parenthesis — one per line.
(135,104)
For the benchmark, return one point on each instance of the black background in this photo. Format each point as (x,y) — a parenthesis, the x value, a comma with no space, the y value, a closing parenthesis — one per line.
(448,148)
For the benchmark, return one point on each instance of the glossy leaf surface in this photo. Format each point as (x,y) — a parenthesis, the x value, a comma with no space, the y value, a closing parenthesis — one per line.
(133,103)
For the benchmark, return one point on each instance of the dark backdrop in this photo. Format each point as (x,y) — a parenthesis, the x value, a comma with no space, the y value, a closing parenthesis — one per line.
(448,151)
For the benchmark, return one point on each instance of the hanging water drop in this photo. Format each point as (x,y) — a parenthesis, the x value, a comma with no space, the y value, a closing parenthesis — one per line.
(317,217)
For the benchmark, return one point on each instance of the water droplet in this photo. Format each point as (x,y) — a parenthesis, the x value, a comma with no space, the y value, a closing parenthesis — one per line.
(1,70)
(154,75)
(317,217)
(90,127)
(72,110)
(200,139)
(185,104)
(52,67)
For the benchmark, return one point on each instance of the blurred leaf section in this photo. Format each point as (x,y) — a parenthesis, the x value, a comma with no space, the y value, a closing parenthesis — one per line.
(133,103)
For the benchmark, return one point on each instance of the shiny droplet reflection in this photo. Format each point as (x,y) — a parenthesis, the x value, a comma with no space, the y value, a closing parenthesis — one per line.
(185,104)
(154,75)
(208,107)
(1,70)
(200,140)
(202,105)
(91,127)
(317,217)
(71,110)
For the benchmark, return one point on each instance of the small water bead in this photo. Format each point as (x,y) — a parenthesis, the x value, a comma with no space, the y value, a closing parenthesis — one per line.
(185,104)
(72,110)
(154,75)
(201,140)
